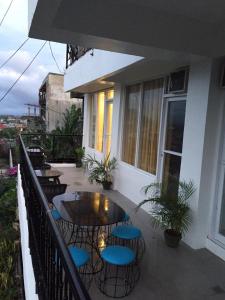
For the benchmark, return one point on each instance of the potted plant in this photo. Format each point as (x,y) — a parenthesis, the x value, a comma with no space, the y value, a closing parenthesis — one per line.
(170,210)
(100,171)
(79,155)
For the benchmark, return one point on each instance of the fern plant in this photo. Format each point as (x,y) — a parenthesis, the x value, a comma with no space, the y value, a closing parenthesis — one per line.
(170,210)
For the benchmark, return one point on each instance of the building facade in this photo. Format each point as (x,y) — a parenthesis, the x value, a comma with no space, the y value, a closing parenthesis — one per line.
(154,96)
(54,101)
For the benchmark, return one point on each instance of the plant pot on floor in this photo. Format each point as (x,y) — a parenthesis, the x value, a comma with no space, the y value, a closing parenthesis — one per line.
(106,185)
(172,238)
(78,164)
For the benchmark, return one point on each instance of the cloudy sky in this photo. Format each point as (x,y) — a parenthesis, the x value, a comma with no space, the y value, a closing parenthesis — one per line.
(13,32)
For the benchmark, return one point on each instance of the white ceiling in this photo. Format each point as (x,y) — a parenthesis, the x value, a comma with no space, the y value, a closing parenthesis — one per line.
(134,26)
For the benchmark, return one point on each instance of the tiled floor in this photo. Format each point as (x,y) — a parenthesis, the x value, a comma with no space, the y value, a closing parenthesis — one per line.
(166,274)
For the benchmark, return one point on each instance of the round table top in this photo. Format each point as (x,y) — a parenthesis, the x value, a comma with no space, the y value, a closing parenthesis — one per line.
(88,209)
(51,173)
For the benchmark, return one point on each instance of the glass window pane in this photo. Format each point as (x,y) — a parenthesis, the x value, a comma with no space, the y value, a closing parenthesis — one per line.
(100,121)
(150,122)
(130,124)
(175,126)
(171,172)
(109,127)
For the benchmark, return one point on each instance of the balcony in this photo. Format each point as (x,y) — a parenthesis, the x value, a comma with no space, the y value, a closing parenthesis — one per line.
(57,148)
(90,71)
(73,53)
(166,273)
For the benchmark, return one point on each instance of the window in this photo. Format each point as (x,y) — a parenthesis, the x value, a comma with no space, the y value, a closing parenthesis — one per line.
(141,126)
(100,137)
(130,123)
(173,144)
(149,126)
(99,122)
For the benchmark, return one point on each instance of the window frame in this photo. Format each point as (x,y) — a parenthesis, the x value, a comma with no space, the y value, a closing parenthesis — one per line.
(137,148)
(94,97)
(162,126)
(166,101)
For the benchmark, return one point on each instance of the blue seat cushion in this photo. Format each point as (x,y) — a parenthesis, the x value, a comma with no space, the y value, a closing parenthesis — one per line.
(118,255)
(80,256)
(55,214)
(126,232)
(126,218)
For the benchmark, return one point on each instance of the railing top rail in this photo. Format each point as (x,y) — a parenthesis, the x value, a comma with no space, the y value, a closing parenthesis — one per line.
(72,273)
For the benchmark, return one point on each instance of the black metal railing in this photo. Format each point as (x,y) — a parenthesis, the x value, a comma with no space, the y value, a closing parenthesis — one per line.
(56,275)
(73,53)
(57,148)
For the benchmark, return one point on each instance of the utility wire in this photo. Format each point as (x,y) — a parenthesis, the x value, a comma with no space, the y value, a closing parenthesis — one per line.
(53,56)
(12,86)
(5,14)
(13,54)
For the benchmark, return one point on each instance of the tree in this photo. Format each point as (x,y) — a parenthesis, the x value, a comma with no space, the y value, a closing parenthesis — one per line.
(72,122)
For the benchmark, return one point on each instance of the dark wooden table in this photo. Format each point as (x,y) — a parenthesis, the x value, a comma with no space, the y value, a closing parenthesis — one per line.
(91,216)
(47,175)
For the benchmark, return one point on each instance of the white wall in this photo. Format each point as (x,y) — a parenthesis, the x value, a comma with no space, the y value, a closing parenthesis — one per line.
(204,111)
(28,272)
(90,68)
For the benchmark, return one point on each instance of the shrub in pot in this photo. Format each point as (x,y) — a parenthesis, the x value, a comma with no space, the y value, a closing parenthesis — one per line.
(79,155)
(170,209)
(100,171)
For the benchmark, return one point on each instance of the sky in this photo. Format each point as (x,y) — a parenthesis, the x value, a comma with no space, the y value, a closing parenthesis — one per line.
(13,31)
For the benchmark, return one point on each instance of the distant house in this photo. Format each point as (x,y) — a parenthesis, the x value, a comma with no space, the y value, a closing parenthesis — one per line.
(2,126)
(53,101)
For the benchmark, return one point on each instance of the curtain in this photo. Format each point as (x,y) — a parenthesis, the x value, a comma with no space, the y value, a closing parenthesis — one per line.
(149,125)
(100,121)
(130,123)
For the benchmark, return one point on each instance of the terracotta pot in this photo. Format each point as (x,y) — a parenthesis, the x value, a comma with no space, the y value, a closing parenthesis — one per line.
(172,238)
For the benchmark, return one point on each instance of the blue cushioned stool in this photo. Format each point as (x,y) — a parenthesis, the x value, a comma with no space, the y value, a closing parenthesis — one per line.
(119,274)
(129,236)
(60,222)
(55,214)
(81,259)
(126,220)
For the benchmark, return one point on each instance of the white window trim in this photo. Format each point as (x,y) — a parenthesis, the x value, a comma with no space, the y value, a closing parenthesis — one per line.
(166,101)
(108,100)
(162,128)
(137,152)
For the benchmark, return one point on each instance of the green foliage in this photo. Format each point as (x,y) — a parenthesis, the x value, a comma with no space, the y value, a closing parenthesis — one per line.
(170,210)
(8,133)
(7,254)
(8,208)
(72,122)
(8,237)
(100,171)
(6,185)
(79,153)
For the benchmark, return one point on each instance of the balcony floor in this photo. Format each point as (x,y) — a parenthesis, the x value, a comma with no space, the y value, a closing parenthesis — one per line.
(166,273)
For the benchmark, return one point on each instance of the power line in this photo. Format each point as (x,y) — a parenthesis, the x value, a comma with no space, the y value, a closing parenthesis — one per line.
(14,53)
(12,86)
(5,14)
(53,56)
